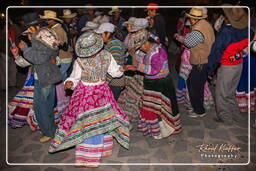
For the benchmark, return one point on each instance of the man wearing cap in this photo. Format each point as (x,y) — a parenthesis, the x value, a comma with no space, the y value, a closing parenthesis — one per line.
(65,52)
(118,51)
(227,51)
(199,41)
(157,23)
(118,21)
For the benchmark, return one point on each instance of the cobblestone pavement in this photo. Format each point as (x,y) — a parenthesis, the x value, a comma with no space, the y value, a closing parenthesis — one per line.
(24,147)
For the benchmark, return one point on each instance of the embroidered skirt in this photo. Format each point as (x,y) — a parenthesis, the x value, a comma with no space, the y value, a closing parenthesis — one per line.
(159,103)
(91,111)
(130,98)
(242,93)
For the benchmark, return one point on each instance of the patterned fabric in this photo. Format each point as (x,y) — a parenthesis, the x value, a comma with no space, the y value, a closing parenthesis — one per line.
(159,101)
(48,37)
(242,93)
(130,98)
(155,64)
(21,107)
(185,67)
(95,69)
(193,38)
(91,150)
(88,44)
(92,111)
(117,49)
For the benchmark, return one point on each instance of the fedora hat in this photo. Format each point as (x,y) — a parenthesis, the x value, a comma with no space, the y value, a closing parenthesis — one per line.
(90,26)
(30,19)
(130,21)
(88,44)
(196,13)
(236,16)
(114,9)
(139,23)
(48,14)
(68,14)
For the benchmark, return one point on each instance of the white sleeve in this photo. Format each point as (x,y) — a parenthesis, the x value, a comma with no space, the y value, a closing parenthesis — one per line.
(19,60)
(114,68)
(75,76)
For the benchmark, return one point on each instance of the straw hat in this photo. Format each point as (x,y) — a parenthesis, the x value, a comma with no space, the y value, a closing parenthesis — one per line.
(48,37)
(90,26)
(140,38)
(88,44)
(236,16)
(139,23)
(196,13)
(114,9)
(48,14)
(130,21)
(68,14)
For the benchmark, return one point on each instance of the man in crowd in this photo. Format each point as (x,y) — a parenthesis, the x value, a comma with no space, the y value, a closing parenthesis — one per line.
(199,41)
(227,51)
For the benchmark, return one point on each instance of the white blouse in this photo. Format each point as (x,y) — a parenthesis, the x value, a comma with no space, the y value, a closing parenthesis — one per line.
(75,77)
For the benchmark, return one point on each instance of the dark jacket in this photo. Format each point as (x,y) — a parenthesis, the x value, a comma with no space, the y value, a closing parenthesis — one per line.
(230,41)
(159,28)
(39,56)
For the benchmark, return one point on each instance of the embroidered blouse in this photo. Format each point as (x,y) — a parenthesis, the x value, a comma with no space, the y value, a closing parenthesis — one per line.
(93,71)
(155,63)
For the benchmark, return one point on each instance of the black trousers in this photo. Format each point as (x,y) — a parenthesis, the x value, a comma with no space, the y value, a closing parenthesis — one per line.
(196,82)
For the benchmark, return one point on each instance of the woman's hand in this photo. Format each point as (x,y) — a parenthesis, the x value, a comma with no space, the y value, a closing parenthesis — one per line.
(68,85)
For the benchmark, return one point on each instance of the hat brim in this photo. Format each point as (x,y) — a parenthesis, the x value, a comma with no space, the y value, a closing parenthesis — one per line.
(196,17)
(111,12)
(38,21)
(89,51)
(51,18)
(70,15)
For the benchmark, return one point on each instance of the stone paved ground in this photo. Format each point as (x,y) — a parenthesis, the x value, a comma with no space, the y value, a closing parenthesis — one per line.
(24,147)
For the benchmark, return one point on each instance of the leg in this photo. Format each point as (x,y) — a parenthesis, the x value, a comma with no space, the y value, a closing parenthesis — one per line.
(116,91)
(43,106)
(63,69)
(195,83)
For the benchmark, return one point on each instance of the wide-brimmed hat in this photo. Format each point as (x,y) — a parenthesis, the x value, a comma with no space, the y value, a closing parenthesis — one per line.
(139,23)
(90,26)
(101,19)
(140,38)
(48,37)
(68,14)
(88,44)
(130,21)
(105,27)
(236,16)
(48,14)
(196,13)
(114,9)
(31,19)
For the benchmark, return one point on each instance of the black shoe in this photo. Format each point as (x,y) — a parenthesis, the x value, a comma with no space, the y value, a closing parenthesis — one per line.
(196,115)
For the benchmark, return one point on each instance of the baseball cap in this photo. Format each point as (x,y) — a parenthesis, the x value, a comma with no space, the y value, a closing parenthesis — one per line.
(105,27)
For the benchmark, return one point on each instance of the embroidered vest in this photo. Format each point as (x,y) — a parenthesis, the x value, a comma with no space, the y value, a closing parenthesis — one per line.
(95,69)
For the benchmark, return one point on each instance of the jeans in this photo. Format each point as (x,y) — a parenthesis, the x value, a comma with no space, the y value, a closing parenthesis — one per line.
(43,106)
(196,82)
(63,69)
